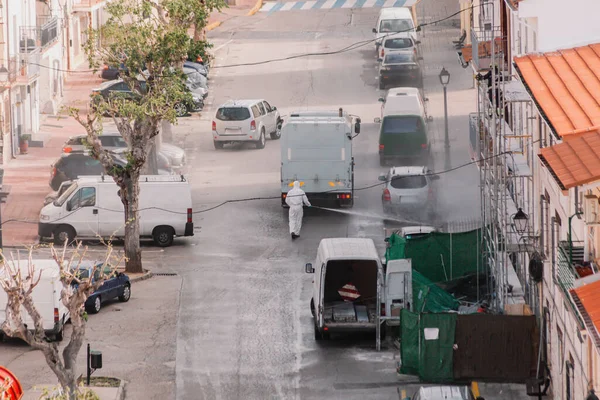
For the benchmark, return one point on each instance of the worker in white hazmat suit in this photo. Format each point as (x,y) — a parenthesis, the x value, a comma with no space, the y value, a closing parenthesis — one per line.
(296,199)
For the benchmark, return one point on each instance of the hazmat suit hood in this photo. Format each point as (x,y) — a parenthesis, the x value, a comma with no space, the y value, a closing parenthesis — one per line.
(296,185)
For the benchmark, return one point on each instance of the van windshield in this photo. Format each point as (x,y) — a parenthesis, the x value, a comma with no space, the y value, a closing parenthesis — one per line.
(233,114)
(396,25)
(62,198)
(401,125)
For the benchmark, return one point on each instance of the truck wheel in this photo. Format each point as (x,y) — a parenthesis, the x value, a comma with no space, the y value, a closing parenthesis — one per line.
(382,162)
(218,145)
(59,336)
(163,236)
(62,233)
(277,134)
(96,306)
(312,307)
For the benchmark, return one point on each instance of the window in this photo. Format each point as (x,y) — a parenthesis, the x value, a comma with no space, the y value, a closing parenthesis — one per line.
(570,378)
(398,58)
(112,141)
(400,43)
(267,106)
(401,125)
(85,197)
(262,109)
(395,25)
(408,182)
(561,345)
(233,114)
(255,112)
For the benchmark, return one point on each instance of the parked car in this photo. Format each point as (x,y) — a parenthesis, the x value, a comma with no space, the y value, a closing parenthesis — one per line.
(196,83)
(111,73)
(245,121)
(409,190)
(69,166)
(400,67)
(118,88)
(115,286)
(201,69)
(398,44)
(114,141)
(444,393)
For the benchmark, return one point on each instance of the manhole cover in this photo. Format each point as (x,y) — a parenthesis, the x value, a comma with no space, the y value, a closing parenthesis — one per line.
(165,274)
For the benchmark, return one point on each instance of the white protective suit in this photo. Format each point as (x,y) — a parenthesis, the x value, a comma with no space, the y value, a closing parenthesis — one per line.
(296,198)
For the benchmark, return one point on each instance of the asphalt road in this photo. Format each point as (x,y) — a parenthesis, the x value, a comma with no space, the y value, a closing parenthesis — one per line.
(235,321)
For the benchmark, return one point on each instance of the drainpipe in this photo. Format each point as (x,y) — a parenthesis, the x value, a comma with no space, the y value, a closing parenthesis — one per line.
(67,24)
(578,215)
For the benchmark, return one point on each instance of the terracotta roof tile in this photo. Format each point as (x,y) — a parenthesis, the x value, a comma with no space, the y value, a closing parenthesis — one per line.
(566,87)
(589,298)
(575,161)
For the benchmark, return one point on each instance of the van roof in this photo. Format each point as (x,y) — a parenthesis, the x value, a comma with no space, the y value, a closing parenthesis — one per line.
(395,12)
(444,393)
(143,178)
(48,268)
(319,116)
(348,249)
(403,101)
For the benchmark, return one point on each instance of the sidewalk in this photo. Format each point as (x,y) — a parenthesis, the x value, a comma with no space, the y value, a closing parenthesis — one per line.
(28,175)
(240,9)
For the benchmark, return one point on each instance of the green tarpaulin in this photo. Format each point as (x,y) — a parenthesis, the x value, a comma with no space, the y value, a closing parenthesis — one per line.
(440,257)
(409,343)
(436,358)
(428,297)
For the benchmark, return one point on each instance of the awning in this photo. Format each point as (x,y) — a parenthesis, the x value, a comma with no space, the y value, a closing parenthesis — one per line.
(574,162)
(566,88)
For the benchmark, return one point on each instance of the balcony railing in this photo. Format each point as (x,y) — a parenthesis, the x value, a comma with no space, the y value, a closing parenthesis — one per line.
(481,42)
(40,36)
(8,71)
(28,66)
(566,273)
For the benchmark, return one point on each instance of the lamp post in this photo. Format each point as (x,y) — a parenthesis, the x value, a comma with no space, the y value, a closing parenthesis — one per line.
(444,80)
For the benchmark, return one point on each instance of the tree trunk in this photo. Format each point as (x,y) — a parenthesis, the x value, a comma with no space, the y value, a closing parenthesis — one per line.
(130,198)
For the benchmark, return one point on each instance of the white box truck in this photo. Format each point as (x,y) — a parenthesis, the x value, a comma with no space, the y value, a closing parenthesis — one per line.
(46,298)
(316,150)
(352,291)
(92,208)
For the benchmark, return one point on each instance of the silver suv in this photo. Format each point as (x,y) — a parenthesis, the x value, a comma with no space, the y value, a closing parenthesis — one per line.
(246,121)
(409,190)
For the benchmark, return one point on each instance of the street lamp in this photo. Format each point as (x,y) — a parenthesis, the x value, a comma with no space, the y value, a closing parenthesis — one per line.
(444,80)
(520,220)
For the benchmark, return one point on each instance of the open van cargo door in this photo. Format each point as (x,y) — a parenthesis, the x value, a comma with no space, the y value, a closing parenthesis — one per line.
(398,289)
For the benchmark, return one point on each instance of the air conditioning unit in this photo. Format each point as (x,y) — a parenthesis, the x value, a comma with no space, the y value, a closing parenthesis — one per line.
(591,209)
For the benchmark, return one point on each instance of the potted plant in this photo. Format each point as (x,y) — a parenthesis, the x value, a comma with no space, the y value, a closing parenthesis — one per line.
(24,143)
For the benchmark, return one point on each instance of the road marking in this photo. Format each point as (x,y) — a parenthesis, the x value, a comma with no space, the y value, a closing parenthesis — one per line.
(287,6)
(475,389)
(308,5)
(221,46)
(272,6)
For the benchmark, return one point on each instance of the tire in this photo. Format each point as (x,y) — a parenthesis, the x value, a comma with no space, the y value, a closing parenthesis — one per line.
(95,308)
(126,294)
(59,336)
(277,134)
(381,84)
(312,307)
(218,145)
(260,143)
(382,162)
(62,233)
(318,335)
(180,109)
(163,236)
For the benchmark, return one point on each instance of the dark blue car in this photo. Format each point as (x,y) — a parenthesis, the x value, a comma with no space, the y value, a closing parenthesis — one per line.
(116,285)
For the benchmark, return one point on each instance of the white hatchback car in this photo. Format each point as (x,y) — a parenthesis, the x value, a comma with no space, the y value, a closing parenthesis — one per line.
(400,43)
(246,121)
(409,190)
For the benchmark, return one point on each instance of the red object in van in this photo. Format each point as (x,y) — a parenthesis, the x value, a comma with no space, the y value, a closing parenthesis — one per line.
(14,390)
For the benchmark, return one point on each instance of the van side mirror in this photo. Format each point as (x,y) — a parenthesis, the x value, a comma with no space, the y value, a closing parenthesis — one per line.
(357,126)
(377,120)
(381,100)
(379,59)
(274,108)
(374,30)
(382,178)
(69,205)
(309,268)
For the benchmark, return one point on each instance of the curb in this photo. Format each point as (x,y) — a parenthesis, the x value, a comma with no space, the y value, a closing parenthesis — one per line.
(146,275)
(257,6)
(212,26)
(121,391)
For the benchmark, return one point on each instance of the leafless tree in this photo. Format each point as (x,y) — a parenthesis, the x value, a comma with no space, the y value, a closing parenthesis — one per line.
(19,277)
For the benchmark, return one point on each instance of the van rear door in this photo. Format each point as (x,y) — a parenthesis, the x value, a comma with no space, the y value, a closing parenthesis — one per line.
(398,288)
(403,136)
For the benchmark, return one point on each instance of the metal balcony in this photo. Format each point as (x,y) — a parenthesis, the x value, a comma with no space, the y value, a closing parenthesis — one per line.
(28,67)
(481,42)
(38,38)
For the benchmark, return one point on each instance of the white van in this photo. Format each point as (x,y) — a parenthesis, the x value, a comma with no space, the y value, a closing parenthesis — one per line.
(394,20)
(91,207)
(46,298)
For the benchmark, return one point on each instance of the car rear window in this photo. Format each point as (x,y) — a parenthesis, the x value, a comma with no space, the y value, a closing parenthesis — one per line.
(401,125)
(398,43)
(408,182)
(396,58)
(233,113)
(112,141)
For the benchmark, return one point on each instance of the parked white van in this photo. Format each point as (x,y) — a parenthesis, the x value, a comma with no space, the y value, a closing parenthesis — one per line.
(393,20)
(46,298)
(92,208)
